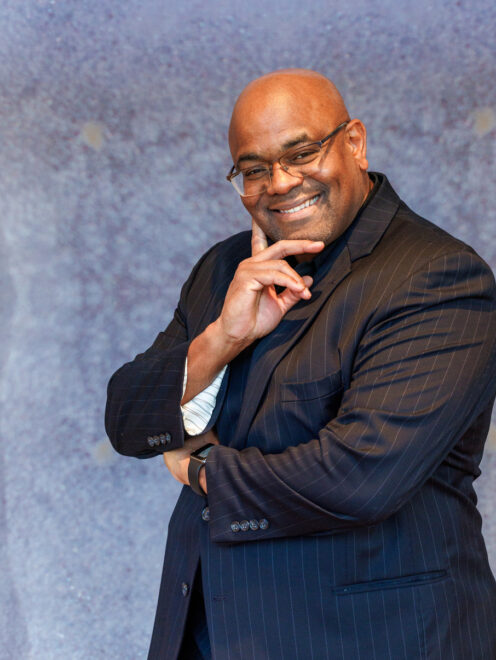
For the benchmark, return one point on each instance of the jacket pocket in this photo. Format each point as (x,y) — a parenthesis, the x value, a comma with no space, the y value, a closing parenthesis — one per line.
(390,583)
(311,389)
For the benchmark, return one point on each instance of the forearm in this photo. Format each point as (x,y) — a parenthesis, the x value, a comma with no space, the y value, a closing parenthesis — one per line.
(143,416)
(208,354)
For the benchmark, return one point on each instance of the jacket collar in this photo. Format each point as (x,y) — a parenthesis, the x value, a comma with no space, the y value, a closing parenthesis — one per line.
(372,219)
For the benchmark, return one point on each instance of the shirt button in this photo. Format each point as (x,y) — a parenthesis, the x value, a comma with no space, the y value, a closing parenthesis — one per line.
(205,514)
(254,525)
(263,523)
(244,525)
(235,526)
(185,589)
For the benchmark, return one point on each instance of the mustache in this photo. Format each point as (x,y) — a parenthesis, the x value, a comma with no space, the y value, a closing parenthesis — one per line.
(295,195)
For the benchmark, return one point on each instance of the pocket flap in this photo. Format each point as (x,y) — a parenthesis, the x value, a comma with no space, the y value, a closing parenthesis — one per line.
(312,389)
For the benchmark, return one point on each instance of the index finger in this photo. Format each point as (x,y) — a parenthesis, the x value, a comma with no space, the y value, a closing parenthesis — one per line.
(258,239)
(284,248)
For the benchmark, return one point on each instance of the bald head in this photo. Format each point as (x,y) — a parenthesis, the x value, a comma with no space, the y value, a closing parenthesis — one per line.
(288,88)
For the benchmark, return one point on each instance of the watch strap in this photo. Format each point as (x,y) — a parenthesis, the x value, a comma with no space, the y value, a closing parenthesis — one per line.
(197,460)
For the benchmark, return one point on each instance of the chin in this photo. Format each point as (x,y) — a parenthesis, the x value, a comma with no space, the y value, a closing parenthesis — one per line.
(307,234)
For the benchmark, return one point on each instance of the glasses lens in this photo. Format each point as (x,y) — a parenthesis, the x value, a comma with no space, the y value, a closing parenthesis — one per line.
(298,160)
(237,182)
(251,182)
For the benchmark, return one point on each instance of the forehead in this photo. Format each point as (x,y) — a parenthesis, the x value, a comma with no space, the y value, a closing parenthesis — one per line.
(265,124)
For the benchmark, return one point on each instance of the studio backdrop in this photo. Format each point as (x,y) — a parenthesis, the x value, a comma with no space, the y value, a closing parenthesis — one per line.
(113,156)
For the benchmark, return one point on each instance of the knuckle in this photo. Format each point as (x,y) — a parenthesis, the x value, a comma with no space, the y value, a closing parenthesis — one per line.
(243,266)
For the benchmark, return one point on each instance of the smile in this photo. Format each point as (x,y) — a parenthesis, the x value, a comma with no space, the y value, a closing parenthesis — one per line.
(309,202)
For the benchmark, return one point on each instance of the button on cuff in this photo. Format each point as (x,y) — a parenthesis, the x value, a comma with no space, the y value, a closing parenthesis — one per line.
(156,440)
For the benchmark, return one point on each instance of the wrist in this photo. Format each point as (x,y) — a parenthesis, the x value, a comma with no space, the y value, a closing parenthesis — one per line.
(224,343)
(202,479)
(196,473)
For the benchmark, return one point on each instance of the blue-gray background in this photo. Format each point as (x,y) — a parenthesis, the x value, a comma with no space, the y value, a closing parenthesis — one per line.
(113,117)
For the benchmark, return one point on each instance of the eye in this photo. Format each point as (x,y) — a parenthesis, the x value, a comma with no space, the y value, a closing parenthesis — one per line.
(304,155)
(255,172)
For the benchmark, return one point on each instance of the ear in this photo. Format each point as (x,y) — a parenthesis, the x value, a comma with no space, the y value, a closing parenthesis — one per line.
(357,142)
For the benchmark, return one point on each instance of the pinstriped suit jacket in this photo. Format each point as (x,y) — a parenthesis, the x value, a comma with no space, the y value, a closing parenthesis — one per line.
(355,431)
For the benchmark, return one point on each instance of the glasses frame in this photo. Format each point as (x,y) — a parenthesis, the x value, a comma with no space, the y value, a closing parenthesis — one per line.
(234,170)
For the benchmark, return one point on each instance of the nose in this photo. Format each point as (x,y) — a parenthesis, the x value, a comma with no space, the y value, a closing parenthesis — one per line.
(281,181)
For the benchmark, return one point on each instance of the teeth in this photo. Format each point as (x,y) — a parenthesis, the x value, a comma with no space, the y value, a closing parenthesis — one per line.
(305,205)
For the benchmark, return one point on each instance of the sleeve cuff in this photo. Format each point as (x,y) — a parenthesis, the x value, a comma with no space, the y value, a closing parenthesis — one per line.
(197,412)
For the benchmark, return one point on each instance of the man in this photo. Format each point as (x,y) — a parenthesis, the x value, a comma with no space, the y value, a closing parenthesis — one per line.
(334,514)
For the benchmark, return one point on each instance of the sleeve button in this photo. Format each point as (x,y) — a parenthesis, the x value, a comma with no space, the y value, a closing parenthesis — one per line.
(254,525)
(244,525)
(263,523)
(235,526)
(150,441)
(168,438)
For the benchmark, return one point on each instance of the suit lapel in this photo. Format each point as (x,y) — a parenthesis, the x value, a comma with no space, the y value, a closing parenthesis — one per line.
(271,349)
(358,240)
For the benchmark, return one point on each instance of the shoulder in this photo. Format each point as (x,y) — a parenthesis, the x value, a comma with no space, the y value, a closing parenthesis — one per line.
(417,260)
(223,255)
(412,243)
(230,251)
(214,271)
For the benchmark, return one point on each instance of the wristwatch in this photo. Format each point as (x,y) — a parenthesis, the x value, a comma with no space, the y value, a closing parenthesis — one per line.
(197,460)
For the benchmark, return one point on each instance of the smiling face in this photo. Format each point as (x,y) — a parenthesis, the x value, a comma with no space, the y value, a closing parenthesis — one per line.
(288,109)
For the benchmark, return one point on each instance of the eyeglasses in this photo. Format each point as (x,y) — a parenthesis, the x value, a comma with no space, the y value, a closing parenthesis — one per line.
(298,162)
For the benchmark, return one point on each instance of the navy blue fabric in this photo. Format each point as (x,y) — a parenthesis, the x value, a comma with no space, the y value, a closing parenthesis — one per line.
(343,520)
(196,642)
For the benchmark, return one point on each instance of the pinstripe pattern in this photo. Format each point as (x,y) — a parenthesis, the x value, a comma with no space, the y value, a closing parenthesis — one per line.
(355,429)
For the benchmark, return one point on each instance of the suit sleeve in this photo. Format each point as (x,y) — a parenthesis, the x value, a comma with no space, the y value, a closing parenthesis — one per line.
(424,370)
(143,414)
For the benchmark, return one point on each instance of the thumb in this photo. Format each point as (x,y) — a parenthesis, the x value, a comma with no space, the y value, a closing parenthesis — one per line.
(258,239)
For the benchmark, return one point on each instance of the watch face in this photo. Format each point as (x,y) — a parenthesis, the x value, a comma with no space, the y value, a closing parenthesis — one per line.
(202,452)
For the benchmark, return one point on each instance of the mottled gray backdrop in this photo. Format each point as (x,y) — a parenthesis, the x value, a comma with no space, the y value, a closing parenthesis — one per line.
(113,117)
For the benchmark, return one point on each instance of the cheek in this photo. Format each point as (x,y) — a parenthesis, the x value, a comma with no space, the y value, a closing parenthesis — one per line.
(326,177)
(254,207)
(334,171)
(249,204)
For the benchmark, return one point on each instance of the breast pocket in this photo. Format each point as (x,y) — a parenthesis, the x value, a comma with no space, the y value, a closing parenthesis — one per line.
(311,389)
(312,403)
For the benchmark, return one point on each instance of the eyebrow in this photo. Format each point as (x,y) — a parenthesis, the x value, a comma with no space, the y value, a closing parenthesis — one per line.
(299,139)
